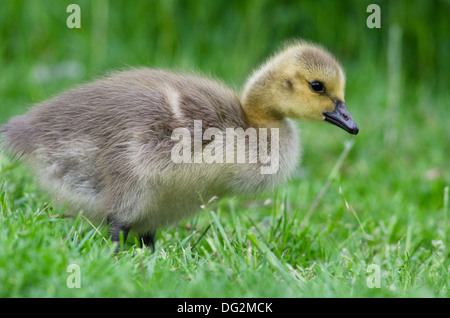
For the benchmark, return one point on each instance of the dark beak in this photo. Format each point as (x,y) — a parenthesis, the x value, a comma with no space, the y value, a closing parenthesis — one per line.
(342,118)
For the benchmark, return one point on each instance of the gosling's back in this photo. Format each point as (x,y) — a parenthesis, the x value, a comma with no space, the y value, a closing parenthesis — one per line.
(93,146)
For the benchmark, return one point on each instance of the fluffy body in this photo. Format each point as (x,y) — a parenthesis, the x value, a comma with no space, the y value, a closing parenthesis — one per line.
(105,147)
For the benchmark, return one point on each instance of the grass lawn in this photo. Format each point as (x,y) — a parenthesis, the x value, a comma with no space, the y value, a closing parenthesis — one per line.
(381,207)
(362,216)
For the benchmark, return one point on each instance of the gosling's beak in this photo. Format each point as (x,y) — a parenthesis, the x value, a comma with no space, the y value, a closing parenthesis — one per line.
(342,118)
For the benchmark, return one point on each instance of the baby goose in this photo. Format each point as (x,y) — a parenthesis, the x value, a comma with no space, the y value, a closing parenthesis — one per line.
(107,148)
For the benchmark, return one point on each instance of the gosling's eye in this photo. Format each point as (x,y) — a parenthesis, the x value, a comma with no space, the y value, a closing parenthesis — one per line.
(317,87)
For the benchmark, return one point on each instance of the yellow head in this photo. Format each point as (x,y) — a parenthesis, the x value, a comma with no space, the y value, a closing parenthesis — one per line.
(304,82)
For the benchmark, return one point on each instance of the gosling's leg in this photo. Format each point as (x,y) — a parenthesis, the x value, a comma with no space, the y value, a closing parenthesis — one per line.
(148,240)
(115,227)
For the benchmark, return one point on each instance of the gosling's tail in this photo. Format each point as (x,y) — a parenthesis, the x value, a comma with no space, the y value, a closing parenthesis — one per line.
(17,136)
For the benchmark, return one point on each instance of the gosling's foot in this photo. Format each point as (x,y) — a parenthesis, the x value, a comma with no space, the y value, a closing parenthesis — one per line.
(148,240)
(115,228)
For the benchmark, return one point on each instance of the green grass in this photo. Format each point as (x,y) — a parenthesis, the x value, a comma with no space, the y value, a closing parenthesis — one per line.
(385,204)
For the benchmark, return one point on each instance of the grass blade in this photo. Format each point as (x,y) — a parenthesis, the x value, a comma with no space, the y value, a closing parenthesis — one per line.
(347,147)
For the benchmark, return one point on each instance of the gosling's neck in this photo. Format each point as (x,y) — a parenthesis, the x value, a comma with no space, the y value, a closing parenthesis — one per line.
(257,98)
(261,115)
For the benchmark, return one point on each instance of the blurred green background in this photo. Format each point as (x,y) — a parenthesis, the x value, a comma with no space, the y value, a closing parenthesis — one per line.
(397,91)
(225,38)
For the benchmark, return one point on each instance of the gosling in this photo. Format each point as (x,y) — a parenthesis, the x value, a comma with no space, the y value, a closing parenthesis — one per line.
(108,148)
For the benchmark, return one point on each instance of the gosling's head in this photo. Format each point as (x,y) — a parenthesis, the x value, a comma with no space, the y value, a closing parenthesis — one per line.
(304,82)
